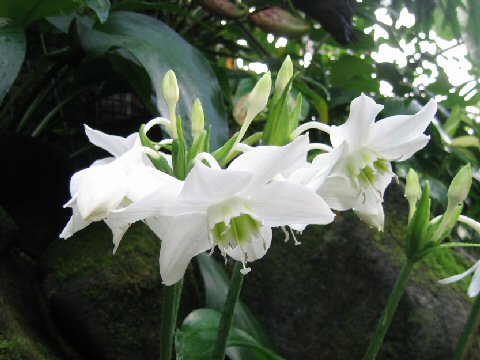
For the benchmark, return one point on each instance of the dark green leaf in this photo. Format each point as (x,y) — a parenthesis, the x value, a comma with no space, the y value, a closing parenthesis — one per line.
(158,49)
(196,337)
(350,72)
(26,12)
(216,286)
(12,50)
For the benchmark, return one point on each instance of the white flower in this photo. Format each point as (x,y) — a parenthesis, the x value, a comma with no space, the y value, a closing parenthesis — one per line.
(474,288)
(111,183)
(233,208)
(363,172)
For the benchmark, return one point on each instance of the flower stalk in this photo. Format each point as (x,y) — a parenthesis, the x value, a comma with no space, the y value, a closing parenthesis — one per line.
(227,314)
(170,304)
(390,308)
(467,330)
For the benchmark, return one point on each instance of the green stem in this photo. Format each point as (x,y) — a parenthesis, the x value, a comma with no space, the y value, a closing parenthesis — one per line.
(389,311)
(171,301)
(469,326)
(227,314)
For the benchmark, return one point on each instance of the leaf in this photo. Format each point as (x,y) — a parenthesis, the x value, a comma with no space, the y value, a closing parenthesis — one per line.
(466,141)
(216,284)
(196,337)
(350,72)
(12,50)
(158,49)
(26,12)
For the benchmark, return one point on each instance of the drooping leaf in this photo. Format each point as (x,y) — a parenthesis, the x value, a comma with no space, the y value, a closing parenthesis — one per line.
(12,53)
(158,49)
(196,337)
(26,12)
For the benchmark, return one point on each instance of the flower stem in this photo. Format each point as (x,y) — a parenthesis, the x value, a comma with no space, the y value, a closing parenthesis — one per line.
(469,326)
(227,314)
(389,311)
(171,301)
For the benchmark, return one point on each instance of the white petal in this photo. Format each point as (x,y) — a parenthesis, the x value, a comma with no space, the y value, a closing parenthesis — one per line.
(458,277)
(154,205)
(183,237)
(404,151)
(402,129)
(474,288)
(267,161)
(115,145)
(103,161)
(101,190)
(283,203)
(255,249)
(338,193)
(76,223)
(207,185)
(118,230)
(144,180)
(355,131)
(376,219)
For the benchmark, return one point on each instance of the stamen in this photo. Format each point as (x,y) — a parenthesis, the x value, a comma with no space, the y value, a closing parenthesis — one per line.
(210,253)
(209,159)
(294,237)
(475,225)
(166,142)
(310,125)
(242,147)
(318,146)
(157,121)
(287,235)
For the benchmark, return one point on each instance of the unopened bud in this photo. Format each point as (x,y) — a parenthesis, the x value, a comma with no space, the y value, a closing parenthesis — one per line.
(278,21)
(198,118)
(413,191)
(460,186)
(224,8)
(284,75)
(171,94)
(258,98)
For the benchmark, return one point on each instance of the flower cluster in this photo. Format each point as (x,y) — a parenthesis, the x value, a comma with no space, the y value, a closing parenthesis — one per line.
(196,200)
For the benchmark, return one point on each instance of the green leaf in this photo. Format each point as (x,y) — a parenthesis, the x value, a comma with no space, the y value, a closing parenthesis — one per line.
(26,12)
(216,284)
(350,72)
(12,50)
(197,335)
(466,141)
(158,49)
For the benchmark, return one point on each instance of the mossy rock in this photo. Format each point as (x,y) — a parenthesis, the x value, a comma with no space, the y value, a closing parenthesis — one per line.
(23,334)
(108,306)
(322,300)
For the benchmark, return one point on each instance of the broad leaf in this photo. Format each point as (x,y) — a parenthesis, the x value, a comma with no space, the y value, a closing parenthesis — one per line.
(196,337)
(12,50)
(26,12)
(158,49)
(216,284)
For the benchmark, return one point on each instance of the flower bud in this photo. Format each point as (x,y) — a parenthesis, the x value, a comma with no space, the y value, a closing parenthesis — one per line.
(198,118)
(413,191)
(171,94)
(460,186)
(224,8)
(284,75)
(278,21)
(258,98)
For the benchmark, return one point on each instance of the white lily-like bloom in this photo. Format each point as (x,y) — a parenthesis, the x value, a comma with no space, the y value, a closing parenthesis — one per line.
(362,173)
(233,208)
(474,287)
(111,183)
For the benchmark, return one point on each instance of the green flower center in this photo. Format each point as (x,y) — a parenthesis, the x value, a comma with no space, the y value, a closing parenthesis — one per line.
(238,231)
